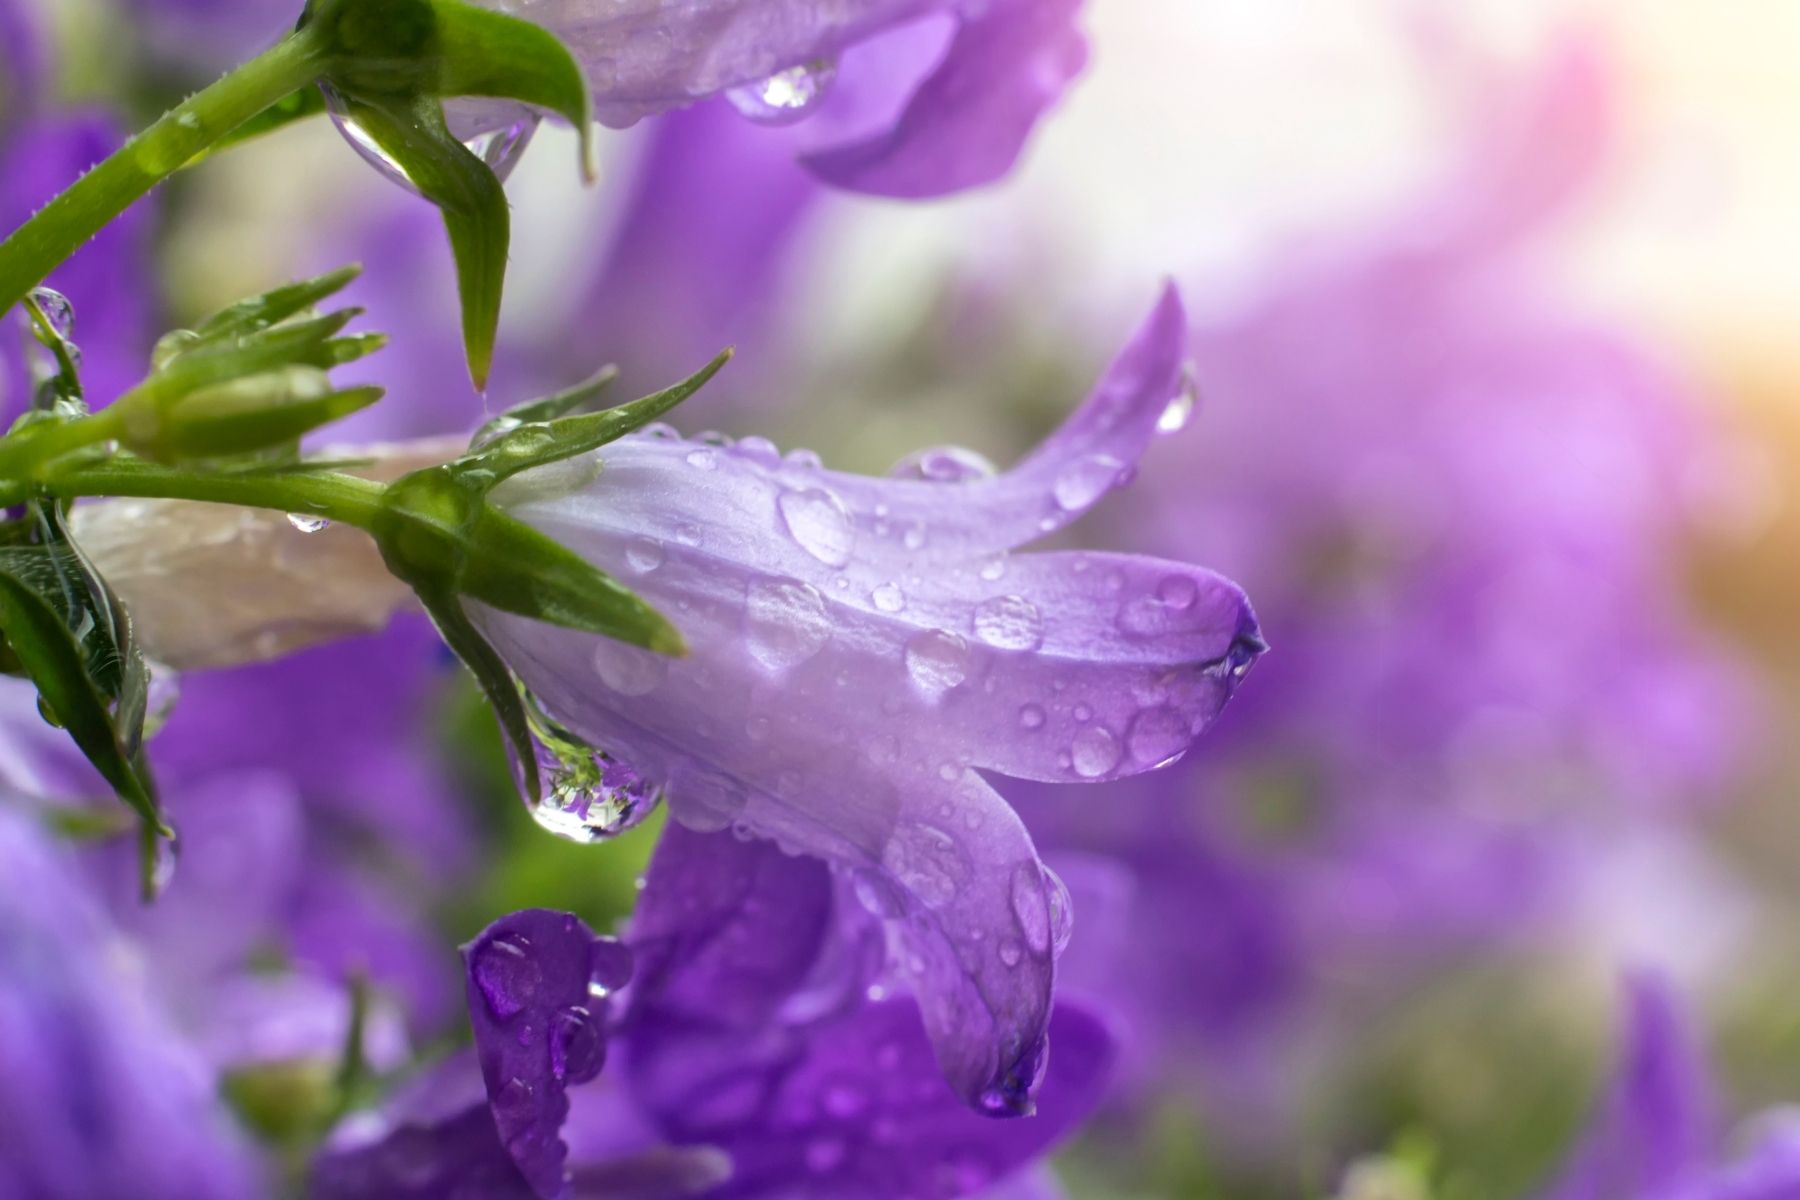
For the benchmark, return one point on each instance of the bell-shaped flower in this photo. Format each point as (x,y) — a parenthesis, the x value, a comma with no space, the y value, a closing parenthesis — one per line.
(862,649)
(904,98)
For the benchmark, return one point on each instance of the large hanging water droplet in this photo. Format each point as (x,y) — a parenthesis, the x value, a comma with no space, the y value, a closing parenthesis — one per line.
(1009,623)
(1181,407)
(163,693)
(944,464)
(820,523)
(577,1045)
(786,96)
(785,622)
(496,132)
(937,660)
(308,522)
(610,967)
(587,794)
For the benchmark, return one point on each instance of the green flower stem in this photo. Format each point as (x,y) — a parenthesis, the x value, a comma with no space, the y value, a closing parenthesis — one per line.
(64,225)
(337,497)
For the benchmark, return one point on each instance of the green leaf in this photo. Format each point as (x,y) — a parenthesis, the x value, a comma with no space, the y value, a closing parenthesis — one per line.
(491,674)
(51,655)
(468,193)
(487,53)
(542,442)
(573,399)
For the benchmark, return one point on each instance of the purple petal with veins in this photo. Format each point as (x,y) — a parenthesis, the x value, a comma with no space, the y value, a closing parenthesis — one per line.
(538,983)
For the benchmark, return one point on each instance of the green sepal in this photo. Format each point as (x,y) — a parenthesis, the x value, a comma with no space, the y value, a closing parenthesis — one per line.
(541,442)
(487,53)
(574,399)
(49,653)
(264,411)
(413,134)
(491,675)
(260,312)
(438,533)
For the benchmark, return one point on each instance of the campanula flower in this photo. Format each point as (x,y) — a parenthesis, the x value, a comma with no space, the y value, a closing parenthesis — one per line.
(905,98)
(862,649)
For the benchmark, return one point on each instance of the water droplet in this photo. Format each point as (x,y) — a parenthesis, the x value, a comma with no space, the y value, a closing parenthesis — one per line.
(57,310)
(876,893)
(1010,952)
(927,862)
(1031,906)
(662,431)
(507,974)
(645,554)
(786,96)
(1178,592)
(513,1103)
(758,449)
(804,459)
(1158,736)
(587,794)
(1031,716)
(1180,411)
(705,458)
(937,660)
(164,693)
(171,346)
(307,522)
(628,670)
(889,598)
(944,464)
(577,1046)
(1082,713)
(1085,481)
(785,622)
(713,437)
(165,857)
(1009,623)
(1095,752)
(820,523)
(496,132)
(1062,912)
(705,802)
(610,965)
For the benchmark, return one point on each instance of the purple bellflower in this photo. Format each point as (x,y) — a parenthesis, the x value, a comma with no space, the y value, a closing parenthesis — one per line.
(906,98)
(861,649)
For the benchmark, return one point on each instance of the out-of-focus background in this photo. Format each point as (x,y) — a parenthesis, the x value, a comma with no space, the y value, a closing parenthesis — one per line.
(1493,308)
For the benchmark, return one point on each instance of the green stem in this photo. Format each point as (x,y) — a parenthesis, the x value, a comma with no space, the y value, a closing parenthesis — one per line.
(329,494)
(65,224)
(25,454)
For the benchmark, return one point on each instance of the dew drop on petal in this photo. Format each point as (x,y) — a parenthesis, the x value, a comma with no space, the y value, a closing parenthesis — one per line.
(705,458)
(937,660)
(1085,481)
(307,522)
(1062,912)
(1010,952)
(57,310)
(645,554)
(610,965)
(507,974)
(944,464)
(786,96)
(994,568)
(1031,716)
(804,459)
(585,795)
(1178,592)
(1157,736)
(819,522)
(577,1046)
(927,862)
(889,598)
(758,449)
(1094,752)
(1031,906)
(628,670)
(785,622)
(1009,623)
(1180,411)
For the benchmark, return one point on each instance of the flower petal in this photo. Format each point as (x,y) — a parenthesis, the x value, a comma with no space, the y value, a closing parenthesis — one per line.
(967,123)
(862,1112)
(537,982)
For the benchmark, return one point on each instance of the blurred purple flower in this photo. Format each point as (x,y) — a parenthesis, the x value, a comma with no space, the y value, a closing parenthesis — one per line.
(1457,506)
(209,36)
(938,95)
(862,648)
(99,1096)
(22,67)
